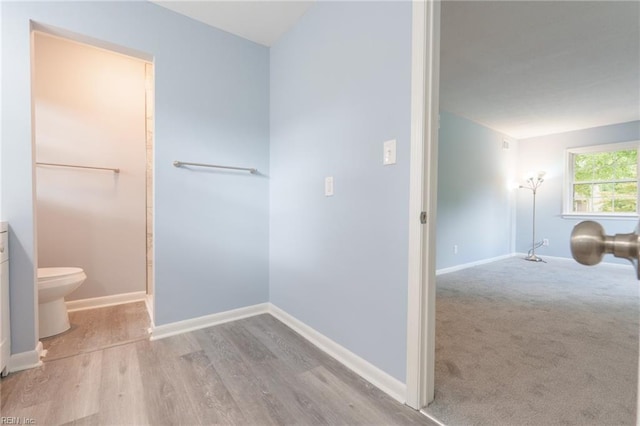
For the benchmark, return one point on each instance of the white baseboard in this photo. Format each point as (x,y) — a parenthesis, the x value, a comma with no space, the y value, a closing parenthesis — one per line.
(179,327)
(472,264)
(544,256)
(604,263)
(25,360)
(385,382)
(104,301)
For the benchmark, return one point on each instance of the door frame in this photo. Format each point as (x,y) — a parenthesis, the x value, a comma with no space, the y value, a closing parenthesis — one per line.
(423,177)
(73,37)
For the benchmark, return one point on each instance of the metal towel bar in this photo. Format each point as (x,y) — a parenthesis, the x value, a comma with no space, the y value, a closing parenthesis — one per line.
(79,167)
(183,163)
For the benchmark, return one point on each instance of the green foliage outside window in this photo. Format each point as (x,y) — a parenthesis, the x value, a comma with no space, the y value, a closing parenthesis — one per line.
(606,182)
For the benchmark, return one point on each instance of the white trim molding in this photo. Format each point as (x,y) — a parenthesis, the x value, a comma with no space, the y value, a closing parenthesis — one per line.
(423,186)
(523,255)
(104,301)
(633,217)
(26,360)
(179,327)
(382,380)
(472,264)
(416,204)
(604,264)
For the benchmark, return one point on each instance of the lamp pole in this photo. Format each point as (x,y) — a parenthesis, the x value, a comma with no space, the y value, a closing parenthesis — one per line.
(533,183)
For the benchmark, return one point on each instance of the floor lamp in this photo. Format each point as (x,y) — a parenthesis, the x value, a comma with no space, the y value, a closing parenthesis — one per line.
(533,183)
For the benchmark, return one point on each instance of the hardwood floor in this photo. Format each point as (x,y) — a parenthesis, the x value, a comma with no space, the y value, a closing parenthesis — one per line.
(254,371)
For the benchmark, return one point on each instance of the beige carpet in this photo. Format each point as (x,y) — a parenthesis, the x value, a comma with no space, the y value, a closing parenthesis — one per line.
(523,343)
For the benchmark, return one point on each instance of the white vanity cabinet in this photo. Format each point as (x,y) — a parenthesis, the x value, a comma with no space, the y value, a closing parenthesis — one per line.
(5,329)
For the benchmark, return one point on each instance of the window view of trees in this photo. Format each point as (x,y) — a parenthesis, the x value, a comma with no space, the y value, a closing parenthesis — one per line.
(605,182)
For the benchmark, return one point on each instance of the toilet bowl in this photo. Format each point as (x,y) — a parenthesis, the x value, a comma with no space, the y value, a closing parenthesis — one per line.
(53,285)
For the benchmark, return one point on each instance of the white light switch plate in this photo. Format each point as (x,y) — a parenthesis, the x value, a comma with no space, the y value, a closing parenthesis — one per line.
(389,152)
(328,186)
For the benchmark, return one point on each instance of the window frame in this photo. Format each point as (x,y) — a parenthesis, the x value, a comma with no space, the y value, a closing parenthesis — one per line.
(567,198)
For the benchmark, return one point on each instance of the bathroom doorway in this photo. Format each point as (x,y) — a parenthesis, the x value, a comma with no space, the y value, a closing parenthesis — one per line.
(93,126)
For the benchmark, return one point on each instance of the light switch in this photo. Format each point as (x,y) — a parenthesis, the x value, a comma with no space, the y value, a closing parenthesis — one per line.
(389,152)
(328,186)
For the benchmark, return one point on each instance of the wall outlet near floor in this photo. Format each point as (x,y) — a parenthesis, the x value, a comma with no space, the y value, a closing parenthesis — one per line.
(545,241)
(455,249)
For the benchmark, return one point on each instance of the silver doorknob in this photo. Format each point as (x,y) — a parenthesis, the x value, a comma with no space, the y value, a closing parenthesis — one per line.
(589,244)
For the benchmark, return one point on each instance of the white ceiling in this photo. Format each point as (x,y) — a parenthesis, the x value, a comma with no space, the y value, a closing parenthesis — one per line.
(534,68)
(261,21)
(523,68)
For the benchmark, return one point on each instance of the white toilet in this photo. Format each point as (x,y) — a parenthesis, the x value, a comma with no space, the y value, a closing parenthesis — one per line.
(53,285)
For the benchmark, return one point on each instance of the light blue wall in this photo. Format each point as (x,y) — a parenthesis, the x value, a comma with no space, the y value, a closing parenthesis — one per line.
(212,105)
(548,153)
(340,87)
(475,204)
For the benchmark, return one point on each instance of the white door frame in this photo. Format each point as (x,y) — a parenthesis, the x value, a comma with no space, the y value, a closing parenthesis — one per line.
(73,37)
(421,315)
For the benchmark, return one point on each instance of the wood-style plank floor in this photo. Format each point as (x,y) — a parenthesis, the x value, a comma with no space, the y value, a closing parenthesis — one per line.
(254,371)
(99,328)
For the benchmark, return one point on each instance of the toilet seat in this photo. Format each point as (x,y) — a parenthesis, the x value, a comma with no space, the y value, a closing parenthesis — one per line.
(55,283)
(49,277)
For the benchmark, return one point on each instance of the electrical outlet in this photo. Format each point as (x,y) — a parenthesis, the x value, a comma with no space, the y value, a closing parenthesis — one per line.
(545,241)
(455,249)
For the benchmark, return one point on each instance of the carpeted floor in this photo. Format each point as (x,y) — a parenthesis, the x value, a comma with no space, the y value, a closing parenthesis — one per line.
(524,343)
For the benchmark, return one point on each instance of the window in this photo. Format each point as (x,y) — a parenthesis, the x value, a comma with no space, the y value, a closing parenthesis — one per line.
(603,180)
